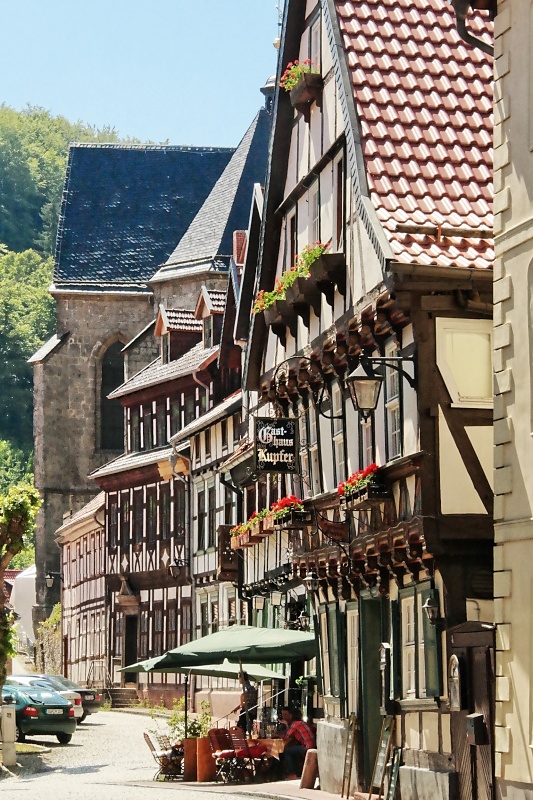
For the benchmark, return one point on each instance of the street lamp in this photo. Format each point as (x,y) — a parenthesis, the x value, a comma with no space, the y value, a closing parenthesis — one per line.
(258,602)
(432,608)
(49,578)
(365,384)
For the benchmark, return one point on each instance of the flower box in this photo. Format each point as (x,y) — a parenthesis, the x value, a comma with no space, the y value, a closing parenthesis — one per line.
(328,271)
(235,542)
(369,496)
(307,90)
(303,295)
(294,519)
(279,316)
(268,524)
(258,530)
(248,539)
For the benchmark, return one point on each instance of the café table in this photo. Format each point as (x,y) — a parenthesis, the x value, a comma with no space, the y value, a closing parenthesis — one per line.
(274,747)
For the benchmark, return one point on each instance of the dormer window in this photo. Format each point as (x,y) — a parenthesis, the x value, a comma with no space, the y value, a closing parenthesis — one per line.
(208,331)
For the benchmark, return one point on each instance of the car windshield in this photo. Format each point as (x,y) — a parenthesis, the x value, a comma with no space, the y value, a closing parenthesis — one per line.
(65,683)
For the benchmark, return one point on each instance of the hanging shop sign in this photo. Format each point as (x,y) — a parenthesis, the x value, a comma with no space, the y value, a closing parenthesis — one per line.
(276,445)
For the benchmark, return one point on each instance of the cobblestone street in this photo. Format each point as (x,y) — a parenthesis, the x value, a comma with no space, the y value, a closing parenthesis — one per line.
(109,760)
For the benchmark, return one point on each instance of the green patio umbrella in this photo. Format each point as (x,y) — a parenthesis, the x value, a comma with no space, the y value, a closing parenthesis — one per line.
(240,643)
(224,670)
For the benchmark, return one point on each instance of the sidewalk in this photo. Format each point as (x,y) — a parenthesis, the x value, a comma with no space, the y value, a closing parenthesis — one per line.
(277,790)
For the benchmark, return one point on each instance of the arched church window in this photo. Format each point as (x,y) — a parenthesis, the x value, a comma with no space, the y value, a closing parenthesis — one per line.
(112,413)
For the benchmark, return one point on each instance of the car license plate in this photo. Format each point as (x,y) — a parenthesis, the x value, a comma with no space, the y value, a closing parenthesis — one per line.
(54,711)
(89,696)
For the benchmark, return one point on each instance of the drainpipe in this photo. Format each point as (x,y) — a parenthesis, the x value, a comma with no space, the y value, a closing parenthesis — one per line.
(461,8)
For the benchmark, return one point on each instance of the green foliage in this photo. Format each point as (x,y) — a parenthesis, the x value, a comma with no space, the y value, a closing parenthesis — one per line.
(15,466)
(18,508)
(197,725)
(26,321)
(53,622)
(33,155)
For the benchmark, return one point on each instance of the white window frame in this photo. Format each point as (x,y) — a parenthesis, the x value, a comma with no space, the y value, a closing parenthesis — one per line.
(313,230)
(314,43)
(407,606)
(392,404)
(324,641)
(352,645)
(366,436)
(338,203)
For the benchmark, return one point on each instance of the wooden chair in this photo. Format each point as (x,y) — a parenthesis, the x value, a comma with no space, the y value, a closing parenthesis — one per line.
(253,755)
(229,767)
(169,765)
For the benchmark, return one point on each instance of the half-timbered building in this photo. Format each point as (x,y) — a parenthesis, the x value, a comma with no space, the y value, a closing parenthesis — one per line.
(374,270)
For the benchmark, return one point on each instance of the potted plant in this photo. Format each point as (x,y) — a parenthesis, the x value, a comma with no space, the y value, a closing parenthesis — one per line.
(198,763)
(363,488)
(289,513)
(304,82)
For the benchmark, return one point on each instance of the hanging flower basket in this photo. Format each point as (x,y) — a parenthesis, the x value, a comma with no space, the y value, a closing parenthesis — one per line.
(328,271)
(303,295)
(308,90)
(281,315)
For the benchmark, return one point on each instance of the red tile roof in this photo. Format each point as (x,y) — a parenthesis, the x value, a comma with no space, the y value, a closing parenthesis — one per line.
(181,319)
(424,100)
(218,300)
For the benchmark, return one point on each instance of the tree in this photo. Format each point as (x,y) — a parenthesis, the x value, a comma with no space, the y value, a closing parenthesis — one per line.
(26,321)
(18,507)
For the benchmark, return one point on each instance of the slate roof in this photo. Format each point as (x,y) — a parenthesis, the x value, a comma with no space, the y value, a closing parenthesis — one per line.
(124,208)
(129,461)
(424,102)
(209,238)
(181,319)
(157,372)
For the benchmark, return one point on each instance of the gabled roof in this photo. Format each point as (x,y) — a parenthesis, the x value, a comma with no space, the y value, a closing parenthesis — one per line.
(423,100)
(129,461)
(209,239)
(198,357)
(214,299)
(124,208)
(88,511)
(175,319)
(223,409)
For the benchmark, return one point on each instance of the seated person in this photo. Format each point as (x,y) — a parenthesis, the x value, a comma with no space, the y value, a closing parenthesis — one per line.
(299,738)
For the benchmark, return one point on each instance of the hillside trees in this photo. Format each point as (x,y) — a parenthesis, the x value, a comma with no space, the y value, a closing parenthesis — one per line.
(26,321)
(33,156)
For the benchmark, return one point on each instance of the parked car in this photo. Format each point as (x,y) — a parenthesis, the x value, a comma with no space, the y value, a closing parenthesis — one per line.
(45,681)
(90,698)
(40,712)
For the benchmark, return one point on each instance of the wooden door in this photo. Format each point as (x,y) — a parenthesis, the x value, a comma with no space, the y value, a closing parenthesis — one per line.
(130,645)
(474,762)
(370,611)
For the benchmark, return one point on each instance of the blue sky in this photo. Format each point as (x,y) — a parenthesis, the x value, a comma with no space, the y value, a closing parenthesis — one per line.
(186,71)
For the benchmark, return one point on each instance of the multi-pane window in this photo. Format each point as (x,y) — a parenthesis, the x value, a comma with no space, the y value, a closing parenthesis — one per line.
(148,434)
(157,644)
(151,515)
(189,409)
(324,640)
(214,616)
(314,215)
(172,624)
(208,444)
(420,658)
(112,517)
(211,516)
(367,443)
(161,423)
(135,430)
(186,621)
(179,510)
(224,433)
(124,518)
(236,426)
(291,240)
(392,404)
(339,204)
(137,516)
(143,633)
(119,628)
(201,519)
(164,505)
(338,434)
(208,331)
(175,416)
(314,44)
(228,506)
(204,619)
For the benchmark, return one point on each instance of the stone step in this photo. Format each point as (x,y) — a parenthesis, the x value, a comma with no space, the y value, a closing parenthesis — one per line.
(122,697)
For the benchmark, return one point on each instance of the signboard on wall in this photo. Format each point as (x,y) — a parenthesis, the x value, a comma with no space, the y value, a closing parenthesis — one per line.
(276,445)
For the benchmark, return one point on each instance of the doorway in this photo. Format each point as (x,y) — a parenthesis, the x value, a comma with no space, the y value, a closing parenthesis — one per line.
(371,638)
(473,644)
(130,645)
